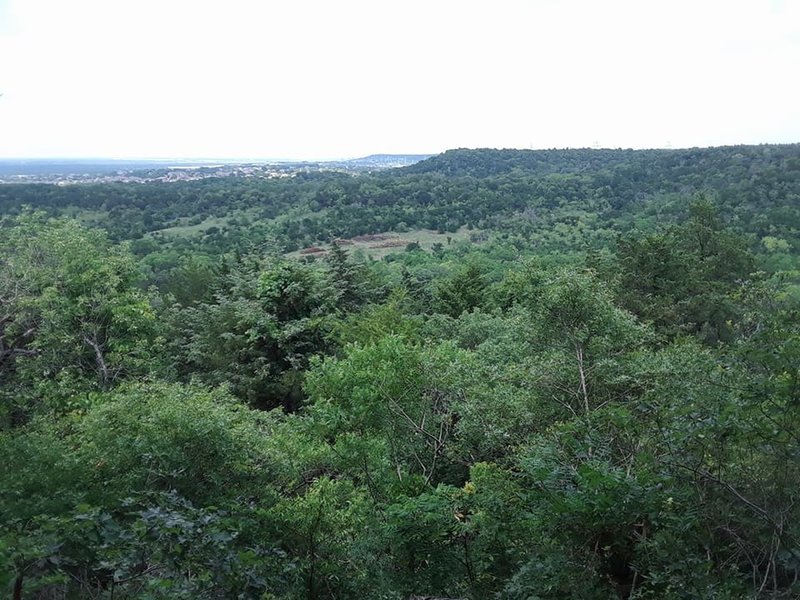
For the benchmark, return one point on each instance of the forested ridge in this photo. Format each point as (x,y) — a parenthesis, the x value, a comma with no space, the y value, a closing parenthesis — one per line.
(586,385)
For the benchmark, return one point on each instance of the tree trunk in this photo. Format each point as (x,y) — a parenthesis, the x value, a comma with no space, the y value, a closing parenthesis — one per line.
(582,372)
(102,366)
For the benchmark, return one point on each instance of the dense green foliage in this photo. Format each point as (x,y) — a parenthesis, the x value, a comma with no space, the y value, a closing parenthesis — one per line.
(596,398)
(553,200)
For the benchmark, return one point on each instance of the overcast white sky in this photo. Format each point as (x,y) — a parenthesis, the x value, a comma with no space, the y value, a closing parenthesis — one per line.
(329,79)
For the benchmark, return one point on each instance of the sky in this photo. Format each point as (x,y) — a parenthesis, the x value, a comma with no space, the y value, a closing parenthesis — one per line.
(317,79)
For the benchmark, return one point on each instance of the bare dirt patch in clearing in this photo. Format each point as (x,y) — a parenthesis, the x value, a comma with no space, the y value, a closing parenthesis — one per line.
(375,237)
(390,244)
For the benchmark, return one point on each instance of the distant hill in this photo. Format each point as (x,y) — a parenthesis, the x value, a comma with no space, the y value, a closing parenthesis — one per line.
(487,162)
(383,161)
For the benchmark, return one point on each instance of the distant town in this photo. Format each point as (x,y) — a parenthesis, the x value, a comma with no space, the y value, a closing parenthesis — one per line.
(83,171)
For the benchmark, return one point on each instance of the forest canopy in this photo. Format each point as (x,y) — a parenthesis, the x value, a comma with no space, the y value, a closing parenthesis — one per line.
(493,374)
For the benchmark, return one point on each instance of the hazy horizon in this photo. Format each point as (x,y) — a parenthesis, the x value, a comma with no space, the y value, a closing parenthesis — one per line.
(245,159)
(207,158)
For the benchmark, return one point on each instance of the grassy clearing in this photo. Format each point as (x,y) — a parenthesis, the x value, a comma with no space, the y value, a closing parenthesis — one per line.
(379,245)
(186,230)
(184,227)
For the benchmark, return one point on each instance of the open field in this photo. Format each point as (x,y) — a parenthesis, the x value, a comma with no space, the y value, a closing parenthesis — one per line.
(379,245)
